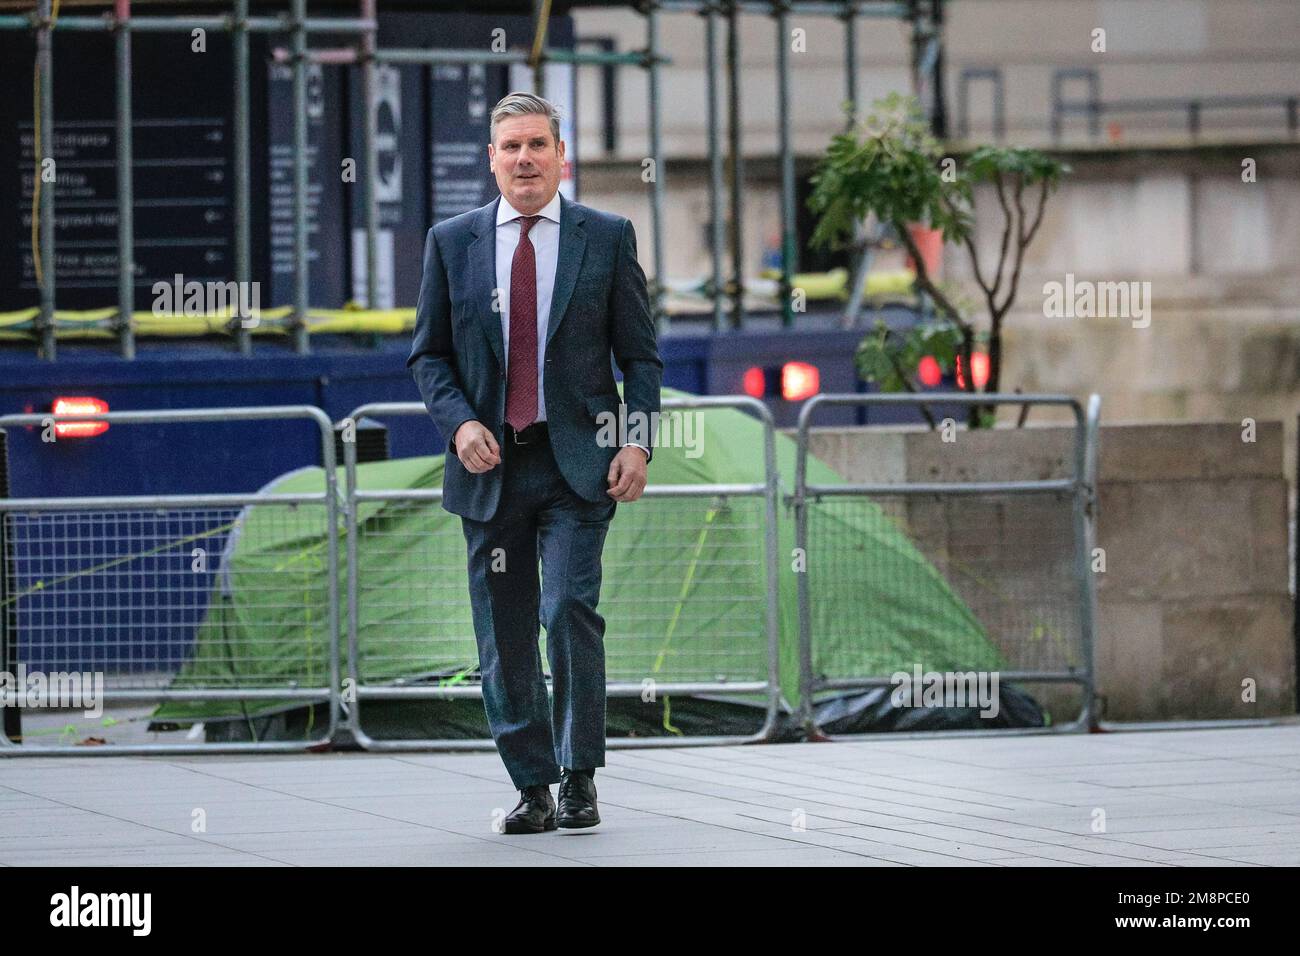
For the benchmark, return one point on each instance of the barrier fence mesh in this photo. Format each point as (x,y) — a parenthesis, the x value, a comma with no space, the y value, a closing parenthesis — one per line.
(683,592)
(1008,559)
(161,598)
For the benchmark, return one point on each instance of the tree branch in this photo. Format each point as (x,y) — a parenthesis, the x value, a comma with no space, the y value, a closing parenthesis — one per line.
(1006,231)
(1038,219)
(923,276)
(1023,239)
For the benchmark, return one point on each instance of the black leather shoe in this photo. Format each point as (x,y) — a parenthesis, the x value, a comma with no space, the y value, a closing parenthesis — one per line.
(535,811)
(577,800)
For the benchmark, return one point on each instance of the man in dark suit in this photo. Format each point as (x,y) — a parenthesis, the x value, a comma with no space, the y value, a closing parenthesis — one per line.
(521,305)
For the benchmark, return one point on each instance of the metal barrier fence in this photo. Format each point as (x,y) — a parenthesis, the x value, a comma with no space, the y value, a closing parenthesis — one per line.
(126,585)
(1007,550)
(729,632)
(113,580)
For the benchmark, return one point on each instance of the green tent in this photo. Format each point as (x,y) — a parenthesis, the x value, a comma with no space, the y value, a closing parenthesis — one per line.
(684,588)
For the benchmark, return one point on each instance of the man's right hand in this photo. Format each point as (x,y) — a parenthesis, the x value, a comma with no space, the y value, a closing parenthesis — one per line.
(476,447)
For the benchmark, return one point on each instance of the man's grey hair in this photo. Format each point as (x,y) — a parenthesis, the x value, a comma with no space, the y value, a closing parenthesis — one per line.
(523,104)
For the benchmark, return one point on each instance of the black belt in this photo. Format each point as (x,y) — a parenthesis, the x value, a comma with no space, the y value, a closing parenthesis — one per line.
(535,432)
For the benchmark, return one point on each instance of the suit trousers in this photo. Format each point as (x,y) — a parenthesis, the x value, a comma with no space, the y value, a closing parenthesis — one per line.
(540,518)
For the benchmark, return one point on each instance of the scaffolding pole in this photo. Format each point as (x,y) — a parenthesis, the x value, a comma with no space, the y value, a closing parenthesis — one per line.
(283,23)
(717,226)
(242,147)
(789,233)
(850,17)
(300,146)
(125,185)
(737,166)
(657,160)
(925,18)
(370,136)
(44,131)
(541,19)
(939,104)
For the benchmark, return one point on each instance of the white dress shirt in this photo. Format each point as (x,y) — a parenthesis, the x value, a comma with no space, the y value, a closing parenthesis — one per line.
(545,237)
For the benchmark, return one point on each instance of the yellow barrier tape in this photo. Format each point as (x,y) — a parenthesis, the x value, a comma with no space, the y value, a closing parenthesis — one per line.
(99,323)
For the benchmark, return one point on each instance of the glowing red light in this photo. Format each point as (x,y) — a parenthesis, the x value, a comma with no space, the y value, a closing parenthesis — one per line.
(928,371)
(980,363)
(79,405)
(799,380)
(755,383)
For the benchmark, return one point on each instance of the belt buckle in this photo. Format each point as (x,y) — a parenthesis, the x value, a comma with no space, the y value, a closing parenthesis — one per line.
(516,435)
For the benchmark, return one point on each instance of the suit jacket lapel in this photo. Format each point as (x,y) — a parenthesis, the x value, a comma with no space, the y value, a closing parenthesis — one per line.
(483,277)
(573,245)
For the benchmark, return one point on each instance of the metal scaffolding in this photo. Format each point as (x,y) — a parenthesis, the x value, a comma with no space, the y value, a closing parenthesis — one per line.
(924,16)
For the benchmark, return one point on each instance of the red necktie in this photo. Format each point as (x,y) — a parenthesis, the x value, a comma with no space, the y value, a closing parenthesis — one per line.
(521,364)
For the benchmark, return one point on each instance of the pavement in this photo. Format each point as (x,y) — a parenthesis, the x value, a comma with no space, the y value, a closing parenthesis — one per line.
(1227,797)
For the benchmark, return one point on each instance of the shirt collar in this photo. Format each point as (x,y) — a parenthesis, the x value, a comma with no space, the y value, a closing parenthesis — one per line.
(508,213)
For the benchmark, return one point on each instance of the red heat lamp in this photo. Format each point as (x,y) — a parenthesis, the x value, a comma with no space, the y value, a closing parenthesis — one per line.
(979,362)
(79,405)
(755,382)
(792,381)
(928,371)
(799,380)
(930,374)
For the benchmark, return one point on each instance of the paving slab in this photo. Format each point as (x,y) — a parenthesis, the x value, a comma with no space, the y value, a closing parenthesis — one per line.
(1225,796)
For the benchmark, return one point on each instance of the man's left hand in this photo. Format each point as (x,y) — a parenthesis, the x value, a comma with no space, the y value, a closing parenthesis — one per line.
(627,474)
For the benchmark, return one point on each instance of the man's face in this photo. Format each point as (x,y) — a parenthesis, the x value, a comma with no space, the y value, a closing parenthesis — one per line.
(527,161)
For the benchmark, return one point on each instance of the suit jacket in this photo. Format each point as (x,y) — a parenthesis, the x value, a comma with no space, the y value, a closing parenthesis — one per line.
(599,307)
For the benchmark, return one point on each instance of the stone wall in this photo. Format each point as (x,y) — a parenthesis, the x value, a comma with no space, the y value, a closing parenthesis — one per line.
(1192,523)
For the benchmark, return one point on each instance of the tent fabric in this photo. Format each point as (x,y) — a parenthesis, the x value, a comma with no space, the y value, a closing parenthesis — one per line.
(683,594)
